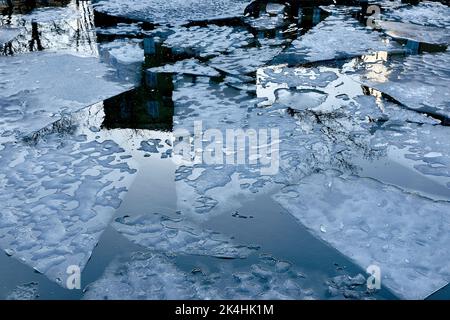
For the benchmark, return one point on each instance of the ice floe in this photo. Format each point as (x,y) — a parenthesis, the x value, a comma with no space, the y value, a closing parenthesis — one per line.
(177,235)
(426,13)
(172,12)
(209,41)
(189,67)
(404,234)
(154,277)
(36,89)
(420,82)
(336,37)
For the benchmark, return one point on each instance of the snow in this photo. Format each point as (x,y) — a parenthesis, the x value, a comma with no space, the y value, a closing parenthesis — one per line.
(151,276)
(406,235)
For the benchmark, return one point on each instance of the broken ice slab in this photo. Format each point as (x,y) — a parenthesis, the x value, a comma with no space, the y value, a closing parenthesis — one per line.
(157,277)
(8,34)
(208,41)
(125,51)
(36,89)
(172,12)
(404,234)
(426,13)
(416,38)
(336,37)
(189,66)
(60,189)
(177,235)
(244,61)
(419,82)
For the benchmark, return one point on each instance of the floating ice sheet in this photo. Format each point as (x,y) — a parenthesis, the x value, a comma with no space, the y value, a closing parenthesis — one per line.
(426,13)
(189,66)
(8,34)
(36,89)
(172,12)
(420,82)
(156,277)
(336,37)
(60,189)
(59,28)
(419,34)
(125,52)
(245,60)
(28,291)
(406,235)
(177,235)
(209,41)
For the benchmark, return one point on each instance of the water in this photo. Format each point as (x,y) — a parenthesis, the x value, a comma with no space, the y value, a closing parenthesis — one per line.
(157,105)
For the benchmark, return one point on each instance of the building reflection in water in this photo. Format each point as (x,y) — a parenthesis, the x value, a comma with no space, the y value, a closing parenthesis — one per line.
(70,28)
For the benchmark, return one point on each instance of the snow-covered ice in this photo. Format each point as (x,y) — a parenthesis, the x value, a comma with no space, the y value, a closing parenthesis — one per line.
(404,234)
(336,37)
(36,89)
(172,12)
(420,82)
(154,277)
(177,235)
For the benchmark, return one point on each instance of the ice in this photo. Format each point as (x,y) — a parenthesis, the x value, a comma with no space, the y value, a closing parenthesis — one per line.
(336,37)
(8,34)
(209,41)
(244,60)
(172,12)
(189,67)
(125,52)
(58,28)
(28,291)
(177,235)
(156,277)
(426,13)
(426,147)
(60,189)
(412,32)
(420,82)
(404,234)
(36,89)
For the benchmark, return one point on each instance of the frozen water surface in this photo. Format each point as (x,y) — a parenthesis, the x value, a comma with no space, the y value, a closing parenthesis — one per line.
(89,174)
(176,235)
(38,88)
(336,37)
(172,12)
(405,234)
(420,82)
(147,276)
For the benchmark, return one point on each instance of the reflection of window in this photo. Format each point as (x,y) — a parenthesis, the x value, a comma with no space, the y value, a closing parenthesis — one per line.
(153,109)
